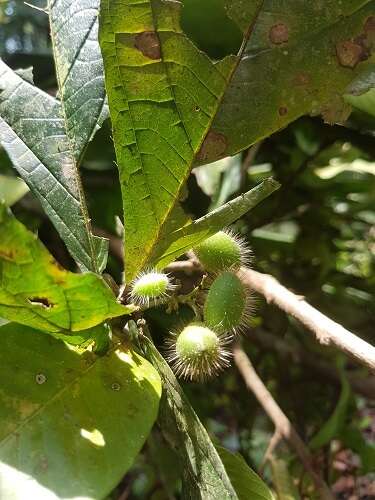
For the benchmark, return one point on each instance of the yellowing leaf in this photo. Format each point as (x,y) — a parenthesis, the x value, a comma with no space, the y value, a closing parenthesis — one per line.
(36,291)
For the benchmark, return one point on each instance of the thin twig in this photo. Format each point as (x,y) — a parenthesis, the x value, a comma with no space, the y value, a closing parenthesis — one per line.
(326,331)
(278,417)
(272,445)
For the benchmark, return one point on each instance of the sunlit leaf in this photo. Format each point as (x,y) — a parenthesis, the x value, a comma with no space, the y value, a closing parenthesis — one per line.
(12,189)
(36,291)
(70,424)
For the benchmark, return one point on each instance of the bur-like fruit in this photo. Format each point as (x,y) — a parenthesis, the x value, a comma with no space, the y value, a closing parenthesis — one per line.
(149,287)
(226,308)
(197,352)
(224,250)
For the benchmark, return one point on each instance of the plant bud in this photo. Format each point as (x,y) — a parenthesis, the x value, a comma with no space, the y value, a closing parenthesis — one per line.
(150,287)
(226,307)
(197,353)
(223,250)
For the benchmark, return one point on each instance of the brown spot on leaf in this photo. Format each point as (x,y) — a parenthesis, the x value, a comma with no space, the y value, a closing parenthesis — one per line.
(279,33)
(302,79)
(40,301)
(369,27)
(148,43)
(283,110)
(349,53)
(213,147)
(40,378)
(7,254)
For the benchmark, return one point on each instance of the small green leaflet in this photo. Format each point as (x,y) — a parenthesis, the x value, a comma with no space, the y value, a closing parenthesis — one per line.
(178,242)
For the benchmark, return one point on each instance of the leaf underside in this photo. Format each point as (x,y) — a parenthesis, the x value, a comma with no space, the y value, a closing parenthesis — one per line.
(79,69)
(46,138)
(70,425)
(36,291)
(172,106)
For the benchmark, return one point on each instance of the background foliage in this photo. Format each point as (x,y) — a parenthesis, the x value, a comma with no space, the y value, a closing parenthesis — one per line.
(316,235)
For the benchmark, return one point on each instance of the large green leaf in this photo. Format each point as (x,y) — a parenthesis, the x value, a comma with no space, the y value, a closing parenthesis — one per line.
(177,242)
(204,475)
(246,482)
(300,58)
(172,106)
(70,425)
(36,291)
(79,68)
(32,132)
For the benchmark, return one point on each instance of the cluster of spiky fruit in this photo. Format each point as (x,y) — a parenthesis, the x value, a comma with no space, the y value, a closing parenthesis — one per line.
(200,349)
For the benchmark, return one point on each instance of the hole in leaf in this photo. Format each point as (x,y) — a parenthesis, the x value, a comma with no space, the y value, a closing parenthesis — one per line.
(40,301)
(206,23)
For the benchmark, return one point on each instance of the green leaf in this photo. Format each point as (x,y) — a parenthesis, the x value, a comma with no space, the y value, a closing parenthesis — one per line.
(364,102)
(281,478)
(36,291)
(70,425)
(172,106)
(178,242)
(79,69)
(33,134)
(246,482)
(304,55)
(204,475)
(336,422)
(12,189)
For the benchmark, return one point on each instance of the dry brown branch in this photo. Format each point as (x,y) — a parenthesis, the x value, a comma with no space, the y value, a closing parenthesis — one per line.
(326,331)
(279,419)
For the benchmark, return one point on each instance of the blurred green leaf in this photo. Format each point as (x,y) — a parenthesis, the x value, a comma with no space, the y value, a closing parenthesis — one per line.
(70,424)
(36,291)
(247,484)
(336,422)
(283,481)
(12,189)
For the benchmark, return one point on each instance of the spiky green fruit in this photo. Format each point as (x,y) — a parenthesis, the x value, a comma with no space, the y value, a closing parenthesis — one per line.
(226,304)
(149,287)
(197,352)
(223,250)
